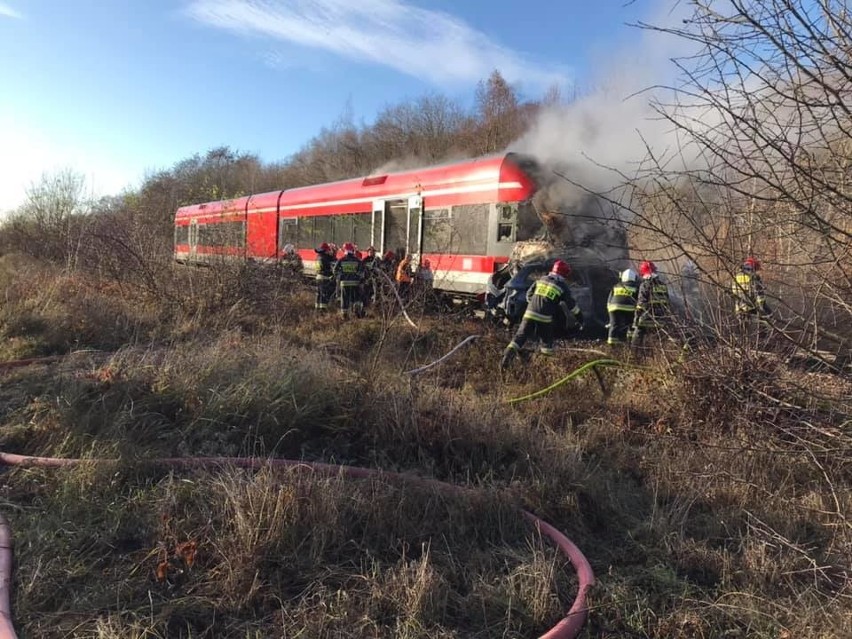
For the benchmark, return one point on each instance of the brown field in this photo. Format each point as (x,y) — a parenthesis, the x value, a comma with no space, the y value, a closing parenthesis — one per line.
(710,492)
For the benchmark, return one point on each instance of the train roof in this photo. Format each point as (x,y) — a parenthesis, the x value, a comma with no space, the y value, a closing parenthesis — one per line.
(496,177)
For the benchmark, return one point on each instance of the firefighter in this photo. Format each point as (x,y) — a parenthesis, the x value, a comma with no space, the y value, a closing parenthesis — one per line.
(748,291)
(388,264)
(371,263)
(652,303)
(621,306)
(292,261)
(349,272)
(750,305)
(403,277)
(545,298)
(325,276)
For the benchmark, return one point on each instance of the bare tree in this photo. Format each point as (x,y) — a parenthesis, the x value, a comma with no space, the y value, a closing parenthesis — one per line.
(498,108)
(763,113)
(49,225)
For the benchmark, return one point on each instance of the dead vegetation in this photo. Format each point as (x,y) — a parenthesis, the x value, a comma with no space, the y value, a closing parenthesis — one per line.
(711,494)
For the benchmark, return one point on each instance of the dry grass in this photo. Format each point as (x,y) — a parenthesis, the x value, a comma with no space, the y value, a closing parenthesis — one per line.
(711,492)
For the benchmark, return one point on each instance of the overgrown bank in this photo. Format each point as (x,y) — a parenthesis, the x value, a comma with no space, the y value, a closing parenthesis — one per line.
(711,495)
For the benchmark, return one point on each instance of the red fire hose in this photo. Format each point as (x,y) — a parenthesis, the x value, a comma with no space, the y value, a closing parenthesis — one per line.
(17,363)
(7,630)
(568,628)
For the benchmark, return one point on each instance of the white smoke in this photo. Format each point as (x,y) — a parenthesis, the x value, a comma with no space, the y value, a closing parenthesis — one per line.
(601,142)
(605,133)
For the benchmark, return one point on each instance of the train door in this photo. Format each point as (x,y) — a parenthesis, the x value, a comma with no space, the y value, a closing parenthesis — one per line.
(396,226)
(415,228)
(193,239)
(377,236)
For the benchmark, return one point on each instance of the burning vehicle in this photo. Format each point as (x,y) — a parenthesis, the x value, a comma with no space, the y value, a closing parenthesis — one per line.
(506,295)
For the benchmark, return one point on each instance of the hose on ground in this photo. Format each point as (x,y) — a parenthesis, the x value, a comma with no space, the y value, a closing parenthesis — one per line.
(396,294)
(422,369)
(7,630)
(567,628)
(593,365)
(19,363)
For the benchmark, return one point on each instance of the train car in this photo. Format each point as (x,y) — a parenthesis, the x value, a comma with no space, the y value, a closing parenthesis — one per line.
(464,217)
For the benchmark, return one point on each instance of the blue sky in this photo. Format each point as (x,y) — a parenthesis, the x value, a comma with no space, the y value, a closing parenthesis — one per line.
(118,88)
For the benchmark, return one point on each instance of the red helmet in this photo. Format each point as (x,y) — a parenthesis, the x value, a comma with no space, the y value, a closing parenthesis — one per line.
(359,255)
(427,264)
(560,268)
(324,248)
(751,264)
(389,256)
(647,269)
(348,247)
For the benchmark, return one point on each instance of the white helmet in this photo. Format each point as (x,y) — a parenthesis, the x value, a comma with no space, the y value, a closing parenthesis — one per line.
(289,249)
(629,275)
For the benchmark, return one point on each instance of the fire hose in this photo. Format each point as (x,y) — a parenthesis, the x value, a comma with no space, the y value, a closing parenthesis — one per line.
(18,363)
(422,369)
(567,628)
(7,630)
(593,366)
(396,294)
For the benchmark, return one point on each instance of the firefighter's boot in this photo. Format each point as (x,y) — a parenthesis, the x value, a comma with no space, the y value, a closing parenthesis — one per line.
(508,356)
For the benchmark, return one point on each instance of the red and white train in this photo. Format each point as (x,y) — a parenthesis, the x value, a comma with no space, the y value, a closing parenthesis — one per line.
(462,217)
(465,218)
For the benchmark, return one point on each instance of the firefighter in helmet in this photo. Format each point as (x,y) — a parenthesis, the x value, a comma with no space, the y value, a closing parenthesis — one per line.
(621,306)
(652,303)
(371,263)
(349,272)
(750,305)
(748,291)
(325,275)
(545,298)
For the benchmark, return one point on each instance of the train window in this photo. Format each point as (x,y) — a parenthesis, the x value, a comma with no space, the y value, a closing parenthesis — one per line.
(323,229)
(222,234)
(182,235)
(342,231)
(469,224)
(288,231)
(305,232)
(363,229)
(437,231)
(506,222)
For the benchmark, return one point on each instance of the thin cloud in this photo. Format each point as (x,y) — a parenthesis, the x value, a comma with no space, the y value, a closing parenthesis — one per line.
(8,12)
(424,43)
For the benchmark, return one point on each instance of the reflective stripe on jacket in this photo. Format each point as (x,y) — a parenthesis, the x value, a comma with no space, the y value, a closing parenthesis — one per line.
(748,290)
(348,270)
(653,296)
(544,298)
(622,297)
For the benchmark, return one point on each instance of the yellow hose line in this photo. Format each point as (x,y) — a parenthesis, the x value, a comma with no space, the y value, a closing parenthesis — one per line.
(576,373)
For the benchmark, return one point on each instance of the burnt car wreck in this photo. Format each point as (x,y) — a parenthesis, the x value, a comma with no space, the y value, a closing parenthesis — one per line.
(506,294)
(557,223)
